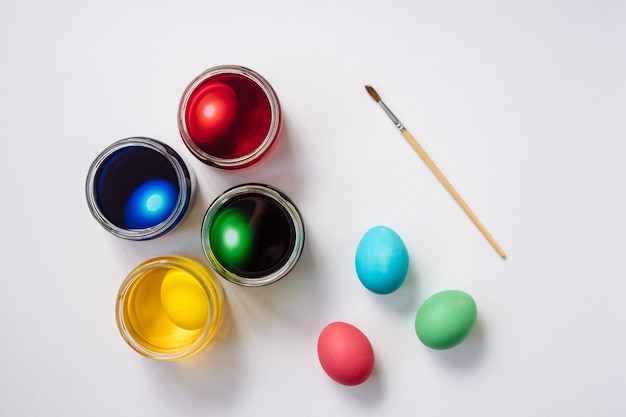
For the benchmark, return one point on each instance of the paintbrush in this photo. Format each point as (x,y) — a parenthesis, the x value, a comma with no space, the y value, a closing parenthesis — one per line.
(435,170)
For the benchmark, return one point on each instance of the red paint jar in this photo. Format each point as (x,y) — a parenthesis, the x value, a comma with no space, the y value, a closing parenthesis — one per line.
(229,117)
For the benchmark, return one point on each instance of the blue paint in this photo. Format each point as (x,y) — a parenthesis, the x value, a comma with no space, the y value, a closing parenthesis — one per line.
(150,204)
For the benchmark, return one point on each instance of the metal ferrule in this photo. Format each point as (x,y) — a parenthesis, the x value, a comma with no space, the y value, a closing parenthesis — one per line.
(392,116)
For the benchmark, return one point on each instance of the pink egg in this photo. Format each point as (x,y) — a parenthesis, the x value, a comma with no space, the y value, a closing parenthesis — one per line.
(345,353)
(211,113)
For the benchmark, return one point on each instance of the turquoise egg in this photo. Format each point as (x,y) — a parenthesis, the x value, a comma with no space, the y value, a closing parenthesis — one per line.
(382,260)
(445,319)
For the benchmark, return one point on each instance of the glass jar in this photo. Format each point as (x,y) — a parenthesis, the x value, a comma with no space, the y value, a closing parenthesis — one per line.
(230,118)
(139,188)
(252,235)
(169,308)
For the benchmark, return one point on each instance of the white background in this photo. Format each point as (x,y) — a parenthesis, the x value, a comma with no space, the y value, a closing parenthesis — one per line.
(522,105)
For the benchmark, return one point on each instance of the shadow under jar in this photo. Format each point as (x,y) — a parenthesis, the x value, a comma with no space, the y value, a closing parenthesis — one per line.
(252,235)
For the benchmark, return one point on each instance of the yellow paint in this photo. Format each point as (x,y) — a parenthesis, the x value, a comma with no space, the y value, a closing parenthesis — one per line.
(164,312)
(184,300)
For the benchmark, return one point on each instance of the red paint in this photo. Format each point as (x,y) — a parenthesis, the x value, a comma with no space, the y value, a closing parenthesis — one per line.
(252,122)
(212,111)
(345,353)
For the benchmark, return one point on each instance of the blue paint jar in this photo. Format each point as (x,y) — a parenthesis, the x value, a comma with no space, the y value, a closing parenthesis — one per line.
(139,188)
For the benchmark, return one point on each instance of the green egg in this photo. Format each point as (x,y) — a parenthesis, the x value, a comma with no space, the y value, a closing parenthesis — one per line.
(231,238)
(445,319)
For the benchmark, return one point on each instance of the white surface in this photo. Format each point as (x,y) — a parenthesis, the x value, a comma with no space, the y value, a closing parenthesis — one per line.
(522,106)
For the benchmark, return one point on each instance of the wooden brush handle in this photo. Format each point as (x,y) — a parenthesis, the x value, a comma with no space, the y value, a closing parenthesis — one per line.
(457,197)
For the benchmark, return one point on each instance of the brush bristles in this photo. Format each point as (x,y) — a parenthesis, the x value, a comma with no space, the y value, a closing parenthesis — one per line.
(373,93)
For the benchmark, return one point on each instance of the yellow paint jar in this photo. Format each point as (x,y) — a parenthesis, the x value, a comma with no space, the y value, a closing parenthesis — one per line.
(169,308)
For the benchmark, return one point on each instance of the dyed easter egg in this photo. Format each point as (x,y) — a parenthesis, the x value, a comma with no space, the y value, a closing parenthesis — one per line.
(213,110)
(445,319)
(150,204)
(345,354)
(232,238)
(382,260)
(184,300)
